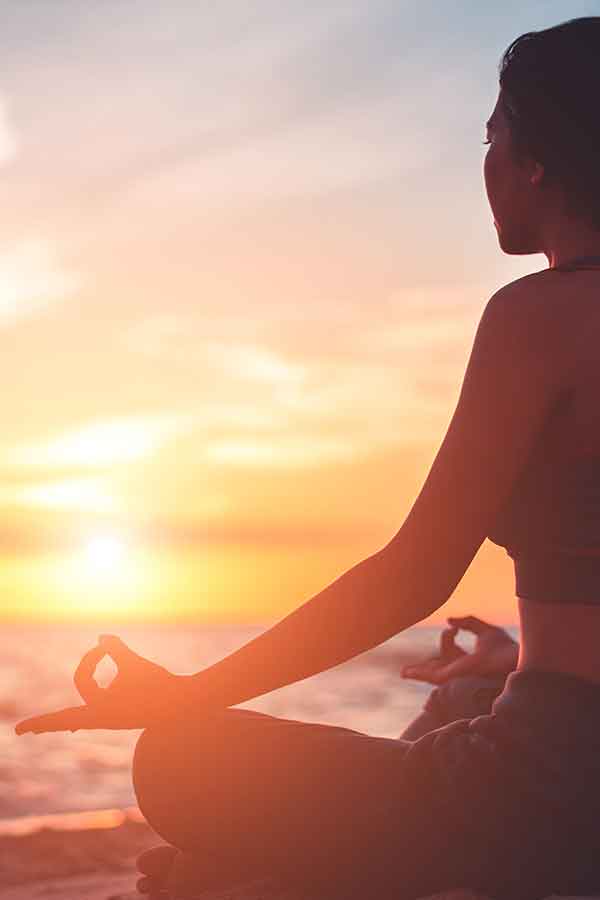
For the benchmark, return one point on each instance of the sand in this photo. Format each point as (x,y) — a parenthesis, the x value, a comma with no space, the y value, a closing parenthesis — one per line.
(88,855)
(98,888)
(95,887)
(91,856)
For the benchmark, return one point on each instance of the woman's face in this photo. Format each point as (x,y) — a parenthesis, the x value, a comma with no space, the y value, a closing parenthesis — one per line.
(511,187)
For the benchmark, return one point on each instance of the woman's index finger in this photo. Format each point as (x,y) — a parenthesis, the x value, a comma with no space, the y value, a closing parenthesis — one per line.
(70,719)
(83,678)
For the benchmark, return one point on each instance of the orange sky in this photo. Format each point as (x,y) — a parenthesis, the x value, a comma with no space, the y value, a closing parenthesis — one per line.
(239,282)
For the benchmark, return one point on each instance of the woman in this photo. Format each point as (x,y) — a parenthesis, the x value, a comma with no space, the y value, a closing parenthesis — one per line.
(506,802)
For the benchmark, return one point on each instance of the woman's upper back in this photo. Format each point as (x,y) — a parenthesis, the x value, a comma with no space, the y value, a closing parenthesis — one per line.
(550,524)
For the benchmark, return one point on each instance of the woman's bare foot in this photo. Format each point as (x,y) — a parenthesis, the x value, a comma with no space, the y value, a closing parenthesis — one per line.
(171,874)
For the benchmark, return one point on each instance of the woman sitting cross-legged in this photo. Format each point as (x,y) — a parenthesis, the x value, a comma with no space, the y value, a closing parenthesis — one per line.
(506,801)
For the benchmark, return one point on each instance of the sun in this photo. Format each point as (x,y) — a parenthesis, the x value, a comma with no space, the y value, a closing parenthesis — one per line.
(107,574)
(105,553)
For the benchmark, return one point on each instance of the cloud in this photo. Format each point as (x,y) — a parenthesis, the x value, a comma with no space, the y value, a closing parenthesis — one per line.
(31,540)
(252,362)
(86,494)
(336,385)
(291,103)
(267,73)
(347,147)
(305,387)
(295,534)
(101,444)
(295,451)
(32,278)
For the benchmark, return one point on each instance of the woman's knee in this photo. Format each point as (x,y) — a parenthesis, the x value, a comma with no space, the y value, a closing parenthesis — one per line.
(169,766)
(174,746)
(184,768)
(151,774)
(149,760)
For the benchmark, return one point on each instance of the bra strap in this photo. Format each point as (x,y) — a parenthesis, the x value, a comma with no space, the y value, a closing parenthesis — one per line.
(581,262)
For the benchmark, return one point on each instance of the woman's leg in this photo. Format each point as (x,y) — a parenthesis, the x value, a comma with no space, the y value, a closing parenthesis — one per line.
(460,698)
(254,796)
(492,803)
(463,697)
(325,809)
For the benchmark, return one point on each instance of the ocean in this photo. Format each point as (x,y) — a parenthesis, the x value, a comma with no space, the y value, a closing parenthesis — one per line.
(64,772)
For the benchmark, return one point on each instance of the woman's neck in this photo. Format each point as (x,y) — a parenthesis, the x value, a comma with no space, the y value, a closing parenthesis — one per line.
(563,239)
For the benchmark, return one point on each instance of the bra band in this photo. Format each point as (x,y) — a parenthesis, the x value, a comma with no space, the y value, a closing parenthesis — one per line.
(557,578)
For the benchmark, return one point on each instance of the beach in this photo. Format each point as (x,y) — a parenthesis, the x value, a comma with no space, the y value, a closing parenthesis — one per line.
(95,887)
(56,856)
(90,855)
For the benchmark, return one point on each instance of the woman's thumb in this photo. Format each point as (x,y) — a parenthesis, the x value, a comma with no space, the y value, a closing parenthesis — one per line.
(469,664)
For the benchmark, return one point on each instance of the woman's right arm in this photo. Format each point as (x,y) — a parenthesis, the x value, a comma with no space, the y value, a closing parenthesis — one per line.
(511,382)
(514,376)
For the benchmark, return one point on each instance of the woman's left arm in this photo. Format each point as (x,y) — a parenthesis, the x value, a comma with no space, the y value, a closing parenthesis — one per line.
(512,380)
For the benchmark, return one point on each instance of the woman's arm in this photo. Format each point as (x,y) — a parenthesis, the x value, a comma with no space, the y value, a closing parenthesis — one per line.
(514,376)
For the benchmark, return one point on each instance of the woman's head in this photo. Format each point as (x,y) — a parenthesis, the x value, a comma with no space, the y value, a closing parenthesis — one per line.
(543,160)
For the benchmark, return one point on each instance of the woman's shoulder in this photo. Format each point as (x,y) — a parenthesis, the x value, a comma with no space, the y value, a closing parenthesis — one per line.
(526,309)
(558,313)
(536,290)
(550,292)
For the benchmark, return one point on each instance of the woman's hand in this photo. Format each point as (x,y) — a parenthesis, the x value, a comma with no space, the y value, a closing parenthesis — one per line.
(495,653)
(141,694)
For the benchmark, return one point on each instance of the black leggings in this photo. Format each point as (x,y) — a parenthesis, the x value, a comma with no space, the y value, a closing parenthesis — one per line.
(460,698)
(493,793)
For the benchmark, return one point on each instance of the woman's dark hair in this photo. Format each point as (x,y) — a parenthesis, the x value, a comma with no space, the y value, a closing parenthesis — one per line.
(550,83)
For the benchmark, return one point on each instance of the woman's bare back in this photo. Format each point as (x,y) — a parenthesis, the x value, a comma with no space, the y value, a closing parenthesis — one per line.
(565,636)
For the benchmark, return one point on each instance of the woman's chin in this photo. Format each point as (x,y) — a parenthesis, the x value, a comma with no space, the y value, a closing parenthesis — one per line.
(514,244)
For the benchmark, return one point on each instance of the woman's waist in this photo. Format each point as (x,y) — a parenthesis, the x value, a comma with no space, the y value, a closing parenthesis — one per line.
(560,637)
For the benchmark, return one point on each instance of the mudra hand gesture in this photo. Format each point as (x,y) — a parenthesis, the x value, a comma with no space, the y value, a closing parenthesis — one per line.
(141,694)
(495,653)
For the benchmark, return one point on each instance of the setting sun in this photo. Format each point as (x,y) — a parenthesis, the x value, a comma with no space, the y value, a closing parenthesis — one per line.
(105,553)
(103,573)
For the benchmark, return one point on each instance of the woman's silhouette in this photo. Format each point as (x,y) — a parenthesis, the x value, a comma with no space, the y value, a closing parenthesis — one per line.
(506,802)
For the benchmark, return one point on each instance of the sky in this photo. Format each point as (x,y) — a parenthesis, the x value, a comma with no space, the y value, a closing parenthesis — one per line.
(244,249)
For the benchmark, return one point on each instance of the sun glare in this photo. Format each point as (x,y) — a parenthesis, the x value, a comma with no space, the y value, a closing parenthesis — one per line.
(105,553)
(107,573)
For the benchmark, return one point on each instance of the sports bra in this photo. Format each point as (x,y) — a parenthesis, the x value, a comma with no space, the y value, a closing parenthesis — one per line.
(550,524)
